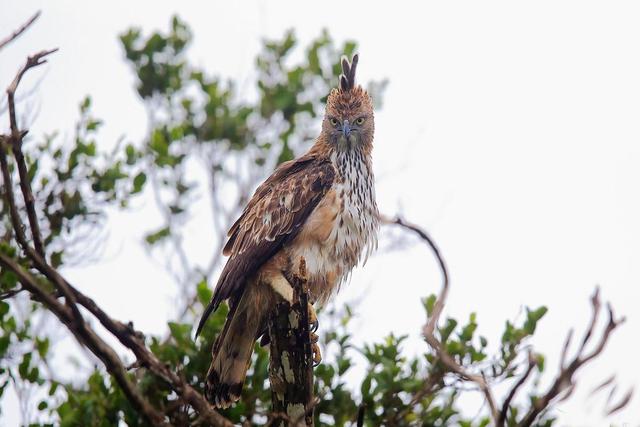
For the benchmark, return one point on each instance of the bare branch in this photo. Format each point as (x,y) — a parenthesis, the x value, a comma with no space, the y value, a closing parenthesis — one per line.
(432,321)
(602,385)
(87,337)
(565,378)
(565,349)
(15,140)
(38,260)
(505,406)
(19,31)
(625,400)
(10,294)
(595,304)
(125,334)
(32,61)
(69,313)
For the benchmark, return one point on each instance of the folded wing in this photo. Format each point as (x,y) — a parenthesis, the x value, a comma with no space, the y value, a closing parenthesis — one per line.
(274,215)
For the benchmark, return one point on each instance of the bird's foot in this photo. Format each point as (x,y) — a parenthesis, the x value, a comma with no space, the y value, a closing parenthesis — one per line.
(315,349)
(313,318)
(313,337)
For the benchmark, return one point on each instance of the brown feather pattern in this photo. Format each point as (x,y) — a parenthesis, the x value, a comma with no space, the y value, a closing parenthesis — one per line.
(272,217)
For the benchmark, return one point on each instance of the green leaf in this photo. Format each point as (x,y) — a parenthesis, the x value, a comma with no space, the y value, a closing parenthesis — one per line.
(23,367)
(4,309)
(42,345)
(532,319)
(540,362)
(447,329)
(158,236)
(5,340)
(93,125)
(204,293)
(8,279)
(139,181)
(429,303)
(85,104)
(56,259)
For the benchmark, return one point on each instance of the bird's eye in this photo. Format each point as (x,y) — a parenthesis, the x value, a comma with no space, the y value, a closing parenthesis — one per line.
(360,120)
(333,121)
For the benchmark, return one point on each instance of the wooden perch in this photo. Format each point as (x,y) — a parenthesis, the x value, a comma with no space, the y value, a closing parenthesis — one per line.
(291,363)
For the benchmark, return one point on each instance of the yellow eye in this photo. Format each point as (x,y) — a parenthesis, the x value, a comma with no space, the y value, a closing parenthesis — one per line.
(333,121)
(360,120)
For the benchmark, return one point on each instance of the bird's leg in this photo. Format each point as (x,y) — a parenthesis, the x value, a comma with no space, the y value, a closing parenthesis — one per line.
(313,337)
(281,285)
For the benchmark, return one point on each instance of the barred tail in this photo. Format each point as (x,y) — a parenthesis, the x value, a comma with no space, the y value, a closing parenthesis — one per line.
(232,355)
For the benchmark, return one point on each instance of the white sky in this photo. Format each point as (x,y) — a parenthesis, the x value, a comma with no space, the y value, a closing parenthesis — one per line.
(509,130)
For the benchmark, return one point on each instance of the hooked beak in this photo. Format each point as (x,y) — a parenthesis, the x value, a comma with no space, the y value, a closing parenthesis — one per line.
(346,129)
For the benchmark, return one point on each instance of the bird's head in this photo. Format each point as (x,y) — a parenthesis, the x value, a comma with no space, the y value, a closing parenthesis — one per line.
(348,120)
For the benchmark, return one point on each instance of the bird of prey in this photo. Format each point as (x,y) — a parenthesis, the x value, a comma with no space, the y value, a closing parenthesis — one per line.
(320,208)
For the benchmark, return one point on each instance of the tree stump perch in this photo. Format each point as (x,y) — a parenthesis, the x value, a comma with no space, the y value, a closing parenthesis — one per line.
(290,359)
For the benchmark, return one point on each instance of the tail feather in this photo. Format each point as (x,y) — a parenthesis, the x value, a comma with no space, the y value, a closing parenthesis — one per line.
(232,356)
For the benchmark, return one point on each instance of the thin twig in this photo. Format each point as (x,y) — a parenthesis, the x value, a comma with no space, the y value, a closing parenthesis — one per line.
(565,349)
(19,31)
(505,406)
(595,305)
(565,378)
(10,294)
(361,412)
(21,238)
(625,400)
(15,140)
(32,61)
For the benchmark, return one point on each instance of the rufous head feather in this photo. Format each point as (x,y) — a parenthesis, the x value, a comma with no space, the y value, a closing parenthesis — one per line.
(348,120)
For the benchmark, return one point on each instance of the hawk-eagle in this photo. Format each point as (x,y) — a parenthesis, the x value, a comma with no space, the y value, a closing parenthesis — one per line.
(321,208)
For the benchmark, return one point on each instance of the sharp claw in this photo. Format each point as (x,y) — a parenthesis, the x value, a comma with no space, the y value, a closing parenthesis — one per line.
(313,318)
(317,356)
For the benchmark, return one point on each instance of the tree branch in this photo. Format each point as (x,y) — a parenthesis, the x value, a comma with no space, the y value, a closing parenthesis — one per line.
(565,378)
(87,337)
(19,31)
(505,406)
(429,329)
(15,140)
(290,359)
(69,313)
(21,238)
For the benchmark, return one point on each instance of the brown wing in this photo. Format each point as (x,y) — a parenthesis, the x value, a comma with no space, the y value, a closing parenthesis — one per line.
(274,215)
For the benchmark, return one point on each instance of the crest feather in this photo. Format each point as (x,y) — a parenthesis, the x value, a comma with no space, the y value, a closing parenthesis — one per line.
(348,76)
